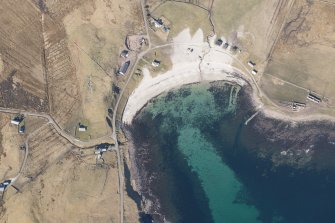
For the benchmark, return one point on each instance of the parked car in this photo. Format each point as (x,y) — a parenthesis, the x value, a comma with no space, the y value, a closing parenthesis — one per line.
(6,182)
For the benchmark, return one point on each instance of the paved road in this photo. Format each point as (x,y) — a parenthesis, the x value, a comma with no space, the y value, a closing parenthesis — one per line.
(114,136)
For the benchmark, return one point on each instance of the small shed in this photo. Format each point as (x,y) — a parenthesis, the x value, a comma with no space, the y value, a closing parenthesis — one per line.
(166,29)
(124,53)
(251,64)
(156,63)
(234,48)
(82,128)
(22,129)
(254,72)
(124,67)
(158,23)
(17,120)
(226,45)
(219,42)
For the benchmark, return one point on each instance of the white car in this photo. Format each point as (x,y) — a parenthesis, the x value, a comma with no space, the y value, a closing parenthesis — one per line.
(6,182)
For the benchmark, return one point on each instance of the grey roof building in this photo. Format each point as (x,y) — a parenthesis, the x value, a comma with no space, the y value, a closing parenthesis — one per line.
(124,53)
(124,67)
(314,98)
(219,42)
(156,63)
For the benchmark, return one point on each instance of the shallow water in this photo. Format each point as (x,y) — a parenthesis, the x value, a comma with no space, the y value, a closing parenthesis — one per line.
(217,179)
(196,156)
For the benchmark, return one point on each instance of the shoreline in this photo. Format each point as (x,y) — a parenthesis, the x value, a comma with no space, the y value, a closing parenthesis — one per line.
(261,125)
(206,63)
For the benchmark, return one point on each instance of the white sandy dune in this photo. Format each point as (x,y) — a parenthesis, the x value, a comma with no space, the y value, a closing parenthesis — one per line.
(214,65)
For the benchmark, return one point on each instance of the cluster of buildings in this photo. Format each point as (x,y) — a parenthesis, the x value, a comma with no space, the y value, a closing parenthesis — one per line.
(125,65)
(294,105)
(252,65)
(297,106)
(19,121)
(233,48)
(101,149)
(226,45)
(104,147)
(158,23)
(134,43)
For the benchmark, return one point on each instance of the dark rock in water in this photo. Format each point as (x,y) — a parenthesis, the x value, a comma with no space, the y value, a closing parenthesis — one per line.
(283,170)
(146,218)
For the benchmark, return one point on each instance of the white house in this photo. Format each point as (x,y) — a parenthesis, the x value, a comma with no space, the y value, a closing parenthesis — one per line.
(251,64)
(15,122)
(82,128)
(104,147)
(100,150)
(17,119)
(254,72)
(158,23)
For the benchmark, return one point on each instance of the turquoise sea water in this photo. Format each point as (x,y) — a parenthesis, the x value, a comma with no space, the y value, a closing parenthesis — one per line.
(196,156)
(217,179)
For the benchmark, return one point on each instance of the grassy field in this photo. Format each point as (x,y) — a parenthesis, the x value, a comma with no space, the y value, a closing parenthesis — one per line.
(83,135)
(182,16)
(97,32)
(227,14)
(304,67)
(252,25)
(162,55)
(280,91)
(306,55)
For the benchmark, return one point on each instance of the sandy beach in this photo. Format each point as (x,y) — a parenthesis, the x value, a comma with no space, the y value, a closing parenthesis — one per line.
(194,61)
(190,65)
